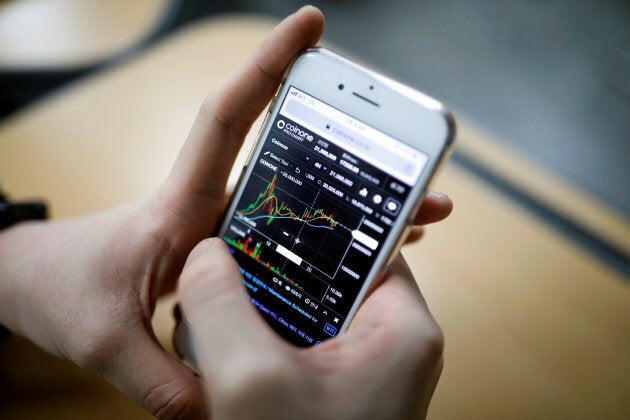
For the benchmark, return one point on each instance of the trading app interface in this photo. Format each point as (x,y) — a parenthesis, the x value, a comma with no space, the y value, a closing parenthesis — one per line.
(323,195)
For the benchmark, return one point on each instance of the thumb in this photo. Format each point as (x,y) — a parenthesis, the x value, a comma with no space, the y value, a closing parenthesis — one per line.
(226,328)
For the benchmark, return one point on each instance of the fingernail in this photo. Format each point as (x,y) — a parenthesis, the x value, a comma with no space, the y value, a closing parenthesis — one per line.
(198,250)
(438,195)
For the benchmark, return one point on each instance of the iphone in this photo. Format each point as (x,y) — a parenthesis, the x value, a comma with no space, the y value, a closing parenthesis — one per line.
(329,192)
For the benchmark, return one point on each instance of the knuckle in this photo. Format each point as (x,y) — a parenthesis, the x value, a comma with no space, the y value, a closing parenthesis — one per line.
(207,105)
(434,342)
(217,110)
(172,400)
(424,343)
(428,349)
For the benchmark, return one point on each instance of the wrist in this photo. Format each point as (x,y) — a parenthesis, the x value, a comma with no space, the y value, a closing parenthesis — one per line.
(17,243)
(10,214)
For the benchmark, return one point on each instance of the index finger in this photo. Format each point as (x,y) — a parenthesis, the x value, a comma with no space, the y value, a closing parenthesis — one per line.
(225,118)
(435,206)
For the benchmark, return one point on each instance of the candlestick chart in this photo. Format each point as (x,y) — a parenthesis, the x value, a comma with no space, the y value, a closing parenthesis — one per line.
(312,225)
(272,208)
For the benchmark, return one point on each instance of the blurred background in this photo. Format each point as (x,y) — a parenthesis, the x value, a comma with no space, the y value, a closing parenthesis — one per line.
(542,92)
(549,78)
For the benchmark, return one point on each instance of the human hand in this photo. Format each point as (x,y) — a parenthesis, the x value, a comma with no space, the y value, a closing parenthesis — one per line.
(85,288)
(386,366)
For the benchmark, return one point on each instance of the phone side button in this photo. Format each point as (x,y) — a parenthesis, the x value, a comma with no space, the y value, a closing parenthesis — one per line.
(272,103)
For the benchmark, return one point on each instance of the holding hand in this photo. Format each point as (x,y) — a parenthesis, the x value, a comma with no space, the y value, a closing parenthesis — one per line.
(85,288)
(386,366)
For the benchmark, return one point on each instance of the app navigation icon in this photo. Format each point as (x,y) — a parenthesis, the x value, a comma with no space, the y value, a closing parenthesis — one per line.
(330,330)
(391,206)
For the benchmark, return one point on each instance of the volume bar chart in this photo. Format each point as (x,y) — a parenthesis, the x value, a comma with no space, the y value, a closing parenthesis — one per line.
(254,252)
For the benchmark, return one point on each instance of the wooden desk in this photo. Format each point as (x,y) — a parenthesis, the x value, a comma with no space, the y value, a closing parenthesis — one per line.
(66,34)
(535,327)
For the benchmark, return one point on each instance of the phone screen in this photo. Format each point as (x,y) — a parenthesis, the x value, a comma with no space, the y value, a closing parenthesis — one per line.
(324,193)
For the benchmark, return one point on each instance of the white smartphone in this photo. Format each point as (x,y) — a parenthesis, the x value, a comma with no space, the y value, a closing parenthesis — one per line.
(329,193)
